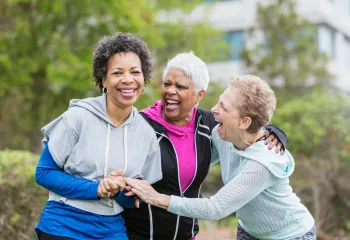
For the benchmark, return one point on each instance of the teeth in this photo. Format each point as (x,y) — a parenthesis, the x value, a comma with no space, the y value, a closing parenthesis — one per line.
(127,90)
(172,101)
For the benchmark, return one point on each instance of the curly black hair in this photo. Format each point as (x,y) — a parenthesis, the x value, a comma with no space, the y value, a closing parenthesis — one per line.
(120,42)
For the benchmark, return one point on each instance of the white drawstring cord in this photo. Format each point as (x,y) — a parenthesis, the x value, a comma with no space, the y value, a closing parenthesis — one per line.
(125,148)
(107,158)
(125,153)
(107,150)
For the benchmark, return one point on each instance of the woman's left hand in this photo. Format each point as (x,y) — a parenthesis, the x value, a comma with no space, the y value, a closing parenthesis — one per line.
(147,193)
(272,141)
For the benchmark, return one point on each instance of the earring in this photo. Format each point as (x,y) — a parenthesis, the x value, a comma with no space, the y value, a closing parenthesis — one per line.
(104,90)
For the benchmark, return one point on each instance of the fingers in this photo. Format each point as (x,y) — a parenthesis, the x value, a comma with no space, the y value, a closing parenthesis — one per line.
(101,190)
(107,187)
(269,139)
(137,202)
(133,182)
(117,173)
(267,133)
(115,186)
(282,151)
(273,144)
(129,193)
(278,147)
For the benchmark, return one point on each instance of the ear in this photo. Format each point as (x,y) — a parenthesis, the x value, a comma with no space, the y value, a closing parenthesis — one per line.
(200,95)
(104,82)
(245,122)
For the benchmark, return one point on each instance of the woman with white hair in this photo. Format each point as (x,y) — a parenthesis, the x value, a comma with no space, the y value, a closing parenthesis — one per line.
(256,179)
(184,136)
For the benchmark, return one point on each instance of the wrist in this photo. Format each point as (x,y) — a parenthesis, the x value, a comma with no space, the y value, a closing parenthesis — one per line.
(163,201)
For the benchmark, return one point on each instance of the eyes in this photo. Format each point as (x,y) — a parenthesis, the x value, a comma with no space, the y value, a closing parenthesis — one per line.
(222,107)
(134,73)
(178,86)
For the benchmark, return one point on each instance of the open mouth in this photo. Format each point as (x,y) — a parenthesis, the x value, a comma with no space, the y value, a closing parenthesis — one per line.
(171,104)
(219,125)
(127,92)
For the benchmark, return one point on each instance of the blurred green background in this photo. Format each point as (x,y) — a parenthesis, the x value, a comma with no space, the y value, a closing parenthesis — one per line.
(45,60)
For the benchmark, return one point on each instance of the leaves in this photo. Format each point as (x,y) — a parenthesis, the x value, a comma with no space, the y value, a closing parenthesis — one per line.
(46,52)
(287,54)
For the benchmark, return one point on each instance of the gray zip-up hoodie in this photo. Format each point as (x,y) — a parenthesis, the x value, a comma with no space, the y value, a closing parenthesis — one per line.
(85,143)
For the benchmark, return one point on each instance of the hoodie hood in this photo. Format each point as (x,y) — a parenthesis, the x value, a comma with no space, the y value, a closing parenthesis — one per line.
(279,166)
(97,106)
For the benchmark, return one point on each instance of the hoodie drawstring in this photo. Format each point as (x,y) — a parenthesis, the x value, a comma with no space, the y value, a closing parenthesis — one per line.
(107,154)
(125,148)
(107,150)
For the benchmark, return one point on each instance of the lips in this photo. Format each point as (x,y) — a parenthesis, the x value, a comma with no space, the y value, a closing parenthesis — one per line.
(171,104)
(127,92)
(219,126)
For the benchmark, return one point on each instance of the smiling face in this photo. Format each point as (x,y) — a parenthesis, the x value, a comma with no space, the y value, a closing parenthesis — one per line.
(124,80)
(179,97)
(226,111)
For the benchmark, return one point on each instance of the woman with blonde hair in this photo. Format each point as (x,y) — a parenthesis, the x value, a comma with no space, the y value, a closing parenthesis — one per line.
(256,179)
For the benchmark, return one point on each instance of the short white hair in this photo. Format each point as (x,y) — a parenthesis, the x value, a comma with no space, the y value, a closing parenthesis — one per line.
(192,66)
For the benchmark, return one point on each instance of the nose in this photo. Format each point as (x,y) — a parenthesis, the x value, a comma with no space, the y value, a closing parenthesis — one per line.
(171,90)
(128,78)
(215,109)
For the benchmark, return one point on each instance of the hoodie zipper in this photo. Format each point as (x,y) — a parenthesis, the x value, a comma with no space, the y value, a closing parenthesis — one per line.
(178,171)
(178,176)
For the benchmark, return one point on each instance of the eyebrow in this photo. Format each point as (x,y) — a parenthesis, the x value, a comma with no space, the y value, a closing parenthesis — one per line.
(118,68)
(176,81)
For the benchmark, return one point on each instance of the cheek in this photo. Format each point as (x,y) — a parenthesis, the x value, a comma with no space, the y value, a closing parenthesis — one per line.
(163,91)
(188,100)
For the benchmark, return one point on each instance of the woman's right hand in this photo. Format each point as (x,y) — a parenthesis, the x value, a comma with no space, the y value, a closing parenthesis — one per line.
(111,185)
(147,193)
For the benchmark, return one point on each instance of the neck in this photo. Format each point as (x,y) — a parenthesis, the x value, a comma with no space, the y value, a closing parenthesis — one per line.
(117,114)
(181,122)
(247,139)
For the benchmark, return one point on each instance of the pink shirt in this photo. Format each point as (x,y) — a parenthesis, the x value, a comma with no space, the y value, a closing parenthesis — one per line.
(183,141)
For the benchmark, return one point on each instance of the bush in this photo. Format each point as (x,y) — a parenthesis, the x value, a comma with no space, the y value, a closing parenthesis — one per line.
(21,199)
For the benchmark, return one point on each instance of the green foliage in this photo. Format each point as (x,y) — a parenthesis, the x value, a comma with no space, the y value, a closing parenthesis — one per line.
(318,124)
(212,96)
(288,47)
(17,167)
(21,200)
(46,52)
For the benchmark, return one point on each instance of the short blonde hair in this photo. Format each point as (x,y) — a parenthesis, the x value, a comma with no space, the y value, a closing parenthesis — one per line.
(255,100)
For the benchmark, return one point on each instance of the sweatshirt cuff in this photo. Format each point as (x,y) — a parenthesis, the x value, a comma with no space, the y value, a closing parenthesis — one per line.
(175,204)
(92,191)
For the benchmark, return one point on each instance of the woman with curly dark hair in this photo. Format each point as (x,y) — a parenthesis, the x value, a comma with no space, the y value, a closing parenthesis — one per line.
(92,139)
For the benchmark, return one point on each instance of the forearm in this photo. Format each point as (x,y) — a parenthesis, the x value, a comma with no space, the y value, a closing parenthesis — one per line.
(163,201)
(234,195)
(49,175)
(66,185)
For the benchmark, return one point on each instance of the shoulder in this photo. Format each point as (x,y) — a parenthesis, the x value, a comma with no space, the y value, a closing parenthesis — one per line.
(74,117)
(144,125)
(207,118)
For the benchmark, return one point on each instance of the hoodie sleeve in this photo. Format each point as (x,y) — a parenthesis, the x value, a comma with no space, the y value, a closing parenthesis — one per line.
(152,171)
(50,176)
(60,137)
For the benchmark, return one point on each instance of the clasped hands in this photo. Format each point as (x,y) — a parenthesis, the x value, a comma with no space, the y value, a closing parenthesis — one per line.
(114,183)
